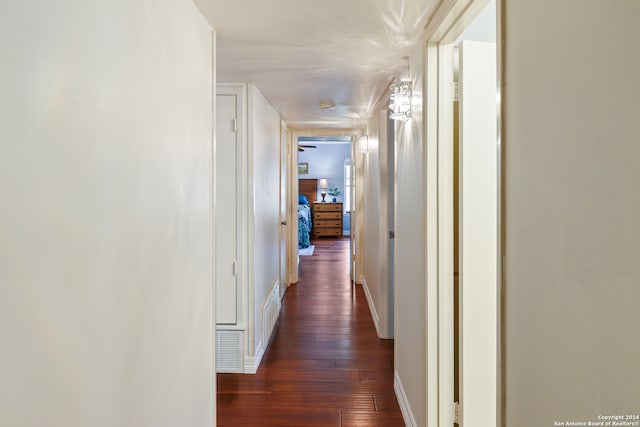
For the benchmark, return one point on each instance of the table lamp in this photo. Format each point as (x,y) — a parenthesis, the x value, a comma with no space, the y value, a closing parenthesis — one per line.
(323,185)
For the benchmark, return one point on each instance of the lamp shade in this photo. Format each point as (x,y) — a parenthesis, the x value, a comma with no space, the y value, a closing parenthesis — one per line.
(323,184)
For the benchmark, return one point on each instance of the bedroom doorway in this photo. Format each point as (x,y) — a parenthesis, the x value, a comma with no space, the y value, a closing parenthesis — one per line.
(324,188)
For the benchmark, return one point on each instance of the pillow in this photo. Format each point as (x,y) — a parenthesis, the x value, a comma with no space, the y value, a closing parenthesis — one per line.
(302,200)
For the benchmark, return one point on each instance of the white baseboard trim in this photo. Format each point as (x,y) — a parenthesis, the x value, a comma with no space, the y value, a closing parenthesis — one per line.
(251,363)
(270,313)
(405,408)
(372,306)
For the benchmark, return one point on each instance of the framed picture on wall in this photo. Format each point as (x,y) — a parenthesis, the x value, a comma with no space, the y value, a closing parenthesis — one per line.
(303,168)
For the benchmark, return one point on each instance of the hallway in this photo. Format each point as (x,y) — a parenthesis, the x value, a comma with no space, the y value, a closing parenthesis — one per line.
(325,365)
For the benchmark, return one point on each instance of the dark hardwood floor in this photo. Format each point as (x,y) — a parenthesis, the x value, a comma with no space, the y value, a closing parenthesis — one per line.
(325,365)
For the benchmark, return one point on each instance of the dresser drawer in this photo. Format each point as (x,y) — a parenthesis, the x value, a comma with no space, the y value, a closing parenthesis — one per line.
(333,232)
(328,223)
(324,207)
(328,215)
(327,219)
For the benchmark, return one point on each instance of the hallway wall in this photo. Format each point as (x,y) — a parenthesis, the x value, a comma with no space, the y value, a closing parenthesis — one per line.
(264,137)
(410,273)
(106,314)
(375,241)
(571,270)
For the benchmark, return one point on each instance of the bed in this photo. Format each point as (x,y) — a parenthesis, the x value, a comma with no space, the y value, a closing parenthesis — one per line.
(304,222)
(307,190)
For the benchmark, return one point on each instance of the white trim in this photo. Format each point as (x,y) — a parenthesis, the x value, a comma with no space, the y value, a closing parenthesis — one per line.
(252,363)
(290,235)
(372,306)
(212,216)
(445,234)
(430,160)
(401,396)
(250,221)
(500,330)
(272,298)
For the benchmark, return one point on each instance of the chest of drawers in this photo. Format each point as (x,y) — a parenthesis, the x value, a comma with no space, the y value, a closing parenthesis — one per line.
(327,219)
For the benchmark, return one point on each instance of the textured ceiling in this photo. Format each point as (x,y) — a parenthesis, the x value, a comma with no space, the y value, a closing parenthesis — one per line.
(300,53)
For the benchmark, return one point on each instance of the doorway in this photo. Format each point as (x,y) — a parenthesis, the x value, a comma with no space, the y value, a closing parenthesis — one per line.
(322,187)
(475,234)
(463,73)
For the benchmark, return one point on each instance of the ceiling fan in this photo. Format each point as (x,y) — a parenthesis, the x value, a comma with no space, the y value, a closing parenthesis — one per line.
(302,147)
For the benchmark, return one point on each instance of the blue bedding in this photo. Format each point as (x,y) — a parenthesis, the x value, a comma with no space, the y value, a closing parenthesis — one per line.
(304,225)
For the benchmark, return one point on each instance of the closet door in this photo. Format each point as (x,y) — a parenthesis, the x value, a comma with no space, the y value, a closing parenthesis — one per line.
(227,157)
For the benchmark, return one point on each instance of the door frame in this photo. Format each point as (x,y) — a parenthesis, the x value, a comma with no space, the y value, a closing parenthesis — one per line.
(293,188)
(447,23)
(240,91)
(287,214)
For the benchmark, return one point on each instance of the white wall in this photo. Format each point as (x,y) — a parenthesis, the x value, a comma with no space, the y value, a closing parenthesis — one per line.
(105,256)
(483,26)
(326,161)
(410,274)
(571,270)
(375,241)
(264,137)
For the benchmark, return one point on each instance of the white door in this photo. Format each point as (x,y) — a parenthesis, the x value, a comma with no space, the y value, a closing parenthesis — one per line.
(353,234)
(226,223)
(391,215)
(478,234)
(284,203)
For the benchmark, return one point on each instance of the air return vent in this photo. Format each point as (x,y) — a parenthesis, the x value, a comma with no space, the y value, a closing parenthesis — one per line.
(229,351)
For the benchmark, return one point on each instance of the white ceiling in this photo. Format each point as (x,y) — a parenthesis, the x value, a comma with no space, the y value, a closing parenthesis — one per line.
(300,53)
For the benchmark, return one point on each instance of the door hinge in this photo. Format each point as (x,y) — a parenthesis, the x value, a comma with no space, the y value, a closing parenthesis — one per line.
(234,125)
(455,91)
(392,234)
(235,268)
(456,412)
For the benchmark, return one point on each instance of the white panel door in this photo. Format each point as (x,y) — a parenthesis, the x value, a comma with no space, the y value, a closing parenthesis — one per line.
(284,202)
(478,234)
(226,225)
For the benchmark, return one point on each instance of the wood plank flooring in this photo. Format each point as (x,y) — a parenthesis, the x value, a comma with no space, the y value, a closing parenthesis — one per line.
(325,365)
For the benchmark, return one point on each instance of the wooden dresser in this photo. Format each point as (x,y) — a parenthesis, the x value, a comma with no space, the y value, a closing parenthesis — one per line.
(327,219)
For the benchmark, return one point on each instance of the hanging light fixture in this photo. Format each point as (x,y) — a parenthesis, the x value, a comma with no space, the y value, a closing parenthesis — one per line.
(364,144)
(400,101)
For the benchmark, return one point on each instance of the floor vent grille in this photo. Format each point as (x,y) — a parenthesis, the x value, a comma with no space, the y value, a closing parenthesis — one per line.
(229,351)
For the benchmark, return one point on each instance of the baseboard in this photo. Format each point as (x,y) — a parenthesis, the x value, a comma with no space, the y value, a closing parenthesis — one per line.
(372,306)
(252,363)
(405,408)
(270,313)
